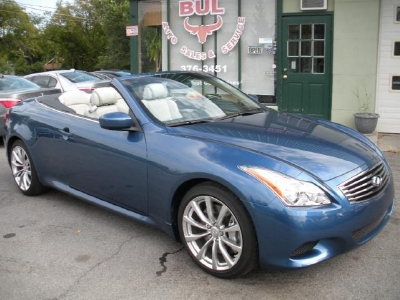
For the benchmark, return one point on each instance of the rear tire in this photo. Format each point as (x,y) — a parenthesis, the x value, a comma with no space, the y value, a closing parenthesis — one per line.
(24,171)
(217,231)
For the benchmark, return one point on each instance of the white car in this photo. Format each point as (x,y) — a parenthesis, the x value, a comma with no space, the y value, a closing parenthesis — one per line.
(67,80)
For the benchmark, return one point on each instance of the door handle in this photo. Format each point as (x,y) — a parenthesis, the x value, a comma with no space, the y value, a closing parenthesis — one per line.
(284,76)
(65,133)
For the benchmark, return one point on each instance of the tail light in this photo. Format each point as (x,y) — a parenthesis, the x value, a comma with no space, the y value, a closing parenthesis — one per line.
(87,90)
(8,103)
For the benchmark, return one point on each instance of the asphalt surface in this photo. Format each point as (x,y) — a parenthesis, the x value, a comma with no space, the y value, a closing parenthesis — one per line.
(57,247)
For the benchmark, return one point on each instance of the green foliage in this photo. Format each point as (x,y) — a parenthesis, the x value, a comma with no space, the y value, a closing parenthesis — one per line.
(363,99)
(152,41)
(85,34)
(18,38)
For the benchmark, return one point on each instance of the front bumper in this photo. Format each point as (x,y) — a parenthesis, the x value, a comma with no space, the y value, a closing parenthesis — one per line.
(301,237)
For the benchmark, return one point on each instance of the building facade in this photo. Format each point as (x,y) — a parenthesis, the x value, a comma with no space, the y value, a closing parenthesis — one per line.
(324,58)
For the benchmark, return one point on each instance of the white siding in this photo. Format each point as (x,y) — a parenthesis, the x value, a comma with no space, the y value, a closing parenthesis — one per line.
(388,101)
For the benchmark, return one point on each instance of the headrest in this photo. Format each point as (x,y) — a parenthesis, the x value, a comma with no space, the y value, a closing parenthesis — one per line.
(73,97)
(104,96)
(155,91)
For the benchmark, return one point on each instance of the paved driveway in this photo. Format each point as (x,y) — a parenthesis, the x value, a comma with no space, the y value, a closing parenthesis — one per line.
(57,247)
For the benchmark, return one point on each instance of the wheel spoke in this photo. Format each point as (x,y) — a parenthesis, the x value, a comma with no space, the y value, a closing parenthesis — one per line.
(234,228)
(203,249)
(210,211)
(222,214)
(194,237)
(231,244)
(225,254)
(199,213)
(215,255)
(194,223)
(26,180)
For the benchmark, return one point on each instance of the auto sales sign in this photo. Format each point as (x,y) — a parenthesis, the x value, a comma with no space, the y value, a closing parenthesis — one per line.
(188,10)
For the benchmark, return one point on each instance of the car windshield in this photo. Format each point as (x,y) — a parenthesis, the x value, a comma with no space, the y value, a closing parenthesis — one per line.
(79,76)
(14,83)
(188,98)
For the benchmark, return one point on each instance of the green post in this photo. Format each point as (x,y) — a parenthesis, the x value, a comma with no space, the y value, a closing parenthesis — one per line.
(134,42)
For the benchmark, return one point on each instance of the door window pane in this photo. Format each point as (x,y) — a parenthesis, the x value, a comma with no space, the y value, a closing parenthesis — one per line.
(319,31)
(319,49)
(306,31)
(294,32)
(306,48)
(319,65)
(293,48)
(306,65)
(293,65)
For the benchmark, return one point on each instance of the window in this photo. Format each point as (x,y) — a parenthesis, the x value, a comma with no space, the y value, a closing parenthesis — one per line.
(150,36)
(306,48)
(396,83)
(397,12)
(396,50)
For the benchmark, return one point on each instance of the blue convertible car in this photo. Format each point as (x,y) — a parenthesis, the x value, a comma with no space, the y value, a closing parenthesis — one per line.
(239,184)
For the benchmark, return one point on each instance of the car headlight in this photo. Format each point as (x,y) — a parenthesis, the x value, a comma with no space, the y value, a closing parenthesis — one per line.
(291,191)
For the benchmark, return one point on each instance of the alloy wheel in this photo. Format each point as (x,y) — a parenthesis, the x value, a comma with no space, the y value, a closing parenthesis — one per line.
(212,233)
(21,168)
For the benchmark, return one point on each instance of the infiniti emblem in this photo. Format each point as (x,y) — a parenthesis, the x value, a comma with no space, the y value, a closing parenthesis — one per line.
(376,181)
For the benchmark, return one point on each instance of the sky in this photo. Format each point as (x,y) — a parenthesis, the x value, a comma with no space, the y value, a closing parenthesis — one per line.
(39,6)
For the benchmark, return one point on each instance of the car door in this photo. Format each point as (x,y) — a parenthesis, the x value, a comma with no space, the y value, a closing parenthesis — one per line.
(109,165)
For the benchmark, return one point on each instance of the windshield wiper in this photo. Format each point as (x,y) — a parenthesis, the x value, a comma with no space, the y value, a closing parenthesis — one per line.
(191,122)
(244,113)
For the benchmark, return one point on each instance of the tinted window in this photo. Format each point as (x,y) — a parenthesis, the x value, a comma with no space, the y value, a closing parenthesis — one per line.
(52,82)
(79,76)
(16,83)
(41,80)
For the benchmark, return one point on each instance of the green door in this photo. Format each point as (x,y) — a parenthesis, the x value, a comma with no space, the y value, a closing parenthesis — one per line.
(306,65)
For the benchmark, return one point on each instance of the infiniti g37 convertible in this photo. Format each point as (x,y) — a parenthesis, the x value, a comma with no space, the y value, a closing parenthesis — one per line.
(238,184)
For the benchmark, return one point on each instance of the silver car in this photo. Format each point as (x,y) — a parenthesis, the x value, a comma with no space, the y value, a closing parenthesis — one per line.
(67,80)
(14,89)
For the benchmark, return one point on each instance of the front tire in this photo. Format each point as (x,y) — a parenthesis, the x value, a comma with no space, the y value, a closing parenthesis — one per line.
(24,171)
(217,231)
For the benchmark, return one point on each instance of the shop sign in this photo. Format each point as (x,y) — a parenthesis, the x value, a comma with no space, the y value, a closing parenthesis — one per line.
(132,30)
(187,9)
(255,50)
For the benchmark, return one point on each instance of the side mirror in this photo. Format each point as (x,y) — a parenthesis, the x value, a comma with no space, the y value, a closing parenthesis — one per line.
(116,121)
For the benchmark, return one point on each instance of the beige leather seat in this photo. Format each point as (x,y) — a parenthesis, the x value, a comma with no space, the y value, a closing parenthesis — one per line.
(156,100)
(77,100)
(103,100)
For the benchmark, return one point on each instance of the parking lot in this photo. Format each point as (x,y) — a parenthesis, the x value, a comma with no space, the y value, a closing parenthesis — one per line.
(57,247)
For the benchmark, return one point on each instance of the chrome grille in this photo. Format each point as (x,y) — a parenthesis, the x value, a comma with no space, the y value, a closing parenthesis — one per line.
(366,184)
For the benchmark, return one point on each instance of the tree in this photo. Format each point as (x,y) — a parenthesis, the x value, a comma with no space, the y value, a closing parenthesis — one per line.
(115,19)
(76,34)
(20,50)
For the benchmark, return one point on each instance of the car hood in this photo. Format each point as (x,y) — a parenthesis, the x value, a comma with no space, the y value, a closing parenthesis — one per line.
(316,148)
